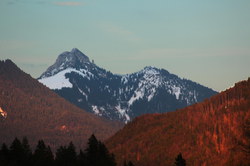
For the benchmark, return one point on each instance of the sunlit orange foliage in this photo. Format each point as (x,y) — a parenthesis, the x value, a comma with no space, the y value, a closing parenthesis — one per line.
(213,132)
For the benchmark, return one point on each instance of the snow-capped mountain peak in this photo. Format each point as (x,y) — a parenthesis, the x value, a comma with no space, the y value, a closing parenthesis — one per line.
(73,59)
(119,97)
(150,70)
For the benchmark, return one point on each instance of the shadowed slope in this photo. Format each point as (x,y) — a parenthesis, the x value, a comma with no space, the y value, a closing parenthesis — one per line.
(36,112)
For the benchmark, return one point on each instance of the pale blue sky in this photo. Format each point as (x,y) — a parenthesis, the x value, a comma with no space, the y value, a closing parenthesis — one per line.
(205,41)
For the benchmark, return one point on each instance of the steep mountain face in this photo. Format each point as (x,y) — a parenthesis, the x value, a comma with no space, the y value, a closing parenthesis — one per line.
(213,132)
(119,97)
(28,108)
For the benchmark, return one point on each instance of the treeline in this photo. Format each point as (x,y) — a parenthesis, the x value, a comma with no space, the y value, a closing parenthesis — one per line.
(20,154)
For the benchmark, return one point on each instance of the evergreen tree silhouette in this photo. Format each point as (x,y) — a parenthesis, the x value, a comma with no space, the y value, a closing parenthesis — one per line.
(27,153)
(43,155)
(16,153)
(104,157)
(66,156)
(71,151)
(4,155)
(81,159)
(20,154)
(92,151)
(61,155)
(97,153)
(179,161)
(128,164)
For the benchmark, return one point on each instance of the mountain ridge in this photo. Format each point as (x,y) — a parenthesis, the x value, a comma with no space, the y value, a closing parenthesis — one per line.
(120,97)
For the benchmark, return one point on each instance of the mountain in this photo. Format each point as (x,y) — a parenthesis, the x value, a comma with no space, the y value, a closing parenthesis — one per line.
(119,97)
(30,109)
(213,132)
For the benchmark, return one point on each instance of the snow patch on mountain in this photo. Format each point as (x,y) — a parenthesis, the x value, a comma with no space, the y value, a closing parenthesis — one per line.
(123,113)
(124,79)
(59,80)
(95,109)
(150,70)
(83,93)
(176,91)
(137,95)
(152,94)
(85,73)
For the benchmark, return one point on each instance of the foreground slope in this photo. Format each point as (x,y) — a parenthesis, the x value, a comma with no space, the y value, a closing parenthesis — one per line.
(30,109)
(120,97)
(214,132)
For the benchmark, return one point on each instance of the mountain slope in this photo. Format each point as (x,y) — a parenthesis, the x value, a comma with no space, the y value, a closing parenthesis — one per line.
(30,109)
(119,97)
(213,132)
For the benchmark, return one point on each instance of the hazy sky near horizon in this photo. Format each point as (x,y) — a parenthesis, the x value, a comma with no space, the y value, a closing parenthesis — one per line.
(204,41)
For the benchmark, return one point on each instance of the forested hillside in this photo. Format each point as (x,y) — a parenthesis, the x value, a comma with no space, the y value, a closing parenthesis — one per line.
(30,109)
(214,132)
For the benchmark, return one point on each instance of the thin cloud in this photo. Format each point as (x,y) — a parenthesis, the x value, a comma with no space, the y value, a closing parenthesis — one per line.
(12,2)
(162,53)
(15,44)
(119,31)
(36,2)
(68,3)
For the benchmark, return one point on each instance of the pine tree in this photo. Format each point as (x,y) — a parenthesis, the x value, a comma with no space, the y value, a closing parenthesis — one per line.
(92,151)
(60,156)
(20,154)
(16,153)
(128,164)
(43,155)
(71,151)
(27,153)
(179,161)
(105,158)
(4,155)
(66,156)
(81,159)
(97,154)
